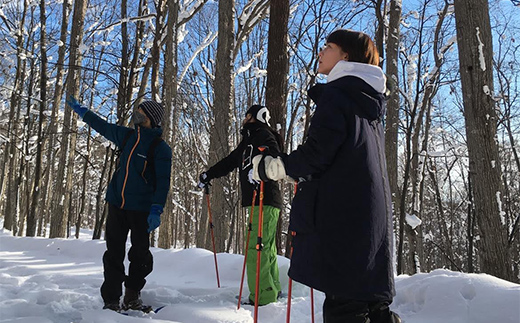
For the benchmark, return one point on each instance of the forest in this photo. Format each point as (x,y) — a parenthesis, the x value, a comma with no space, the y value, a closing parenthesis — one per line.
(452,123)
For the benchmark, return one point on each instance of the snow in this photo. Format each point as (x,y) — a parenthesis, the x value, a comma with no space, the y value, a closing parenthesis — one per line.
(486,90)
(501,212)
(413,221)
(481,51)
(57,280)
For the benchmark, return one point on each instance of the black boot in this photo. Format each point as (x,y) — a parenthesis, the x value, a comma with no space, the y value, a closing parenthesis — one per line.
(113,306)
(379,312)
(132,300)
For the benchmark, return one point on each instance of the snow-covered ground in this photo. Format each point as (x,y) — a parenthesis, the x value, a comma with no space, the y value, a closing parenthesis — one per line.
(57,280)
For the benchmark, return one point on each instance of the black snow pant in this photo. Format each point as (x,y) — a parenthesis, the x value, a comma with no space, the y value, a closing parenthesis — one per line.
(119,222)
(341,310)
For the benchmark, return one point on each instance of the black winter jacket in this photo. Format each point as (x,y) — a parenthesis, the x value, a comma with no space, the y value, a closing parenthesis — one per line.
(342,213)
(254,135)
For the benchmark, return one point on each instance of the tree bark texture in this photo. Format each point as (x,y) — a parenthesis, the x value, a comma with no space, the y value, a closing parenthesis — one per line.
(476,72)
(60,214)
(277,73)
(392,106)
(169,125)
(31,217)
(222,103)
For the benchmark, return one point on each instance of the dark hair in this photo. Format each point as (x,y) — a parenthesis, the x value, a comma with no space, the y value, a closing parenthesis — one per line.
(359,47)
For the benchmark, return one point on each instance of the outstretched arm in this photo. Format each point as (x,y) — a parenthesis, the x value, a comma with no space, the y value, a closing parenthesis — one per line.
(110,131)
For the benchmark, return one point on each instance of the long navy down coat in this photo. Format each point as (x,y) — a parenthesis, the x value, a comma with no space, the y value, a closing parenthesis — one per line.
(342,213)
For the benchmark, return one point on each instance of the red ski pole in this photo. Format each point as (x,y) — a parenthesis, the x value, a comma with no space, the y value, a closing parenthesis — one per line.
(259,244)
(289,293)
(249,229)
(312,305)
(288,320)
(206,189)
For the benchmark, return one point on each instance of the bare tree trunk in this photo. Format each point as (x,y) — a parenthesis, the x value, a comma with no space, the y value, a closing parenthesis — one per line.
(60,213)
(170,85)
(219,146)
(470,227)
(12,128)
(3,170)
(476,70)
(380,11)
(277,73)
(100,210)
(84,189)
(48,194)
(392,112)
(31,217)
(132,78)
(277,64)
(122,98)
(27,129)
(156,49)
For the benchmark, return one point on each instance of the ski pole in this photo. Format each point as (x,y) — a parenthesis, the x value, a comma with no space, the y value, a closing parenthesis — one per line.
(289,293)
(288,320)
(249,229)
(312,305)
(259,245)
(206,189)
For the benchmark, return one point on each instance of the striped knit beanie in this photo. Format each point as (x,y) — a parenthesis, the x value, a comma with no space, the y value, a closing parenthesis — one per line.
(154,111)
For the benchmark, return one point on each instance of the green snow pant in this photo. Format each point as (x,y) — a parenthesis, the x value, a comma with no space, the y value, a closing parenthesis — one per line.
(269,276)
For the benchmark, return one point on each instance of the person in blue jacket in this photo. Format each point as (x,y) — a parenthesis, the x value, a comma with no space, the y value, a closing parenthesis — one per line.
(342,211)
(136,196)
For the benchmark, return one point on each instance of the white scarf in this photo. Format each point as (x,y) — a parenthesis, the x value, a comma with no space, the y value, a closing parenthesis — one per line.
(371,74)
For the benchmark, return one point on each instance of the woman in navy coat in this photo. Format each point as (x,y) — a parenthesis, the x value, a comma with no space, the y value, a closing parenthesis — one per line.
(342,212)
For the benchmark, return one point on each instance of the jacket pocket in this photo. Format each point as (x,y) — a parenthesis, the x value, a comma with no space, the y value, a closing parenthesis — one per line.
(303,208)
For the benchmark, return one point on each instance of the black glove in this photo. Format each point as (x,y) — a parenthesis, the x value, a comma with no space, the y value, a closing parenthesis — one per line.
(204,180)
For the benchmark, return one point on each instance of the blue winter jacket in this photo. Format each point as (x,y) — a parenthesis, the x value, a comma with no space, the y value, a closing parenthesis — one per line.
(342,211)
(132,186)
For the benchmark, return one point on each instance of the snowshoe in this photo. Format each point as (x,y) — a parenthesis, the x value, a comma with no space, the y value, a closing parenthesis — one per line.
(248,302)
(137,305)
(113,306)
(132,301)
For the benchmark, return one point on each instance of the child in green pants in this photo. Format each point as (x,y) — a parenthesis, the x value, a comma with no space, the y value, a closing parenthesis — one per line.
(256,133)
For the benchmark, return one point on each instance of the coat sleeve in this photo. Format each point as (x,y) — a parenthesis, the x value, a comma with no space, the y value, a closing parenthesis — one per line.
(327,132)
(227,164)
(163,166)
(265,137)
(112,132)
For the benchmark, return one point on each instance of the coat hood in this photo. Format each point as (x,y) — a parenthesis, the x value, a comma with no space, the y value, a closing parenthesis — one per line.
(371,74)
(362,83)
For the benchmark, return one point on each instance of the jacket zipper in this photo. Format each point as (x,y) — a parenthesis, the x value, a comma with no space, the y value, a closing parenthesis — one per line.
(128,166)
(144,170)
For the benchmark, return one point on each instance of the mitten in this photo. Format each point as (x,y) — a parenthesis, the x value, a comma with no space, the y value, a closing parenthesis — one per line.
(267,168)
(154,218)
(76,106)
